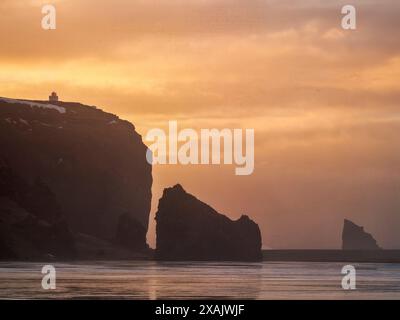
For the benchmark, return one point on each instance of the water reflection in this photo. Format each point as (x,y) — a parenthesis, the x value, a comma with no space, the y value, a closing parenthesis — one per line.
(167,280)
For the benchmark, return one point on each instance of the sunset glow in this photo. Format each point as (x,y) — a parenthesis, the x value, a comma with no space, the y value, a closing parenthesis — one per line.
(323,101)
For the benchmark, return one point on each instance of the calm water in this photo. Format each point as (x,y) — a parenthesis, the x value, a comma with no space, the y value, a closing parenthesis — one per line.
(152,280)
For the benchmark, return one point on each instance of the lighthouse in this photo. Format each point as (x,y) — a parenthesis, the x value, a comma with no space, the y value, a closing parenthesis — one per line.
(53,97)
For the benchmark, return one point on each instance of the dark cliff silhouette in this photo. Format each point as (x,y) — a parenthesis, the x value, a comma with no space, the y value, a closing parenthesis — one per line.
(355,238)
(93,163)
(131,234)
(188,229)
(31,222)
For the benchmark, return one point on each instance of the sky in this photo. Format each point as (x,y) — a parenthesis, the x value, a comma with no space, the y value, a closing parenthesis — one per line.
(323,101)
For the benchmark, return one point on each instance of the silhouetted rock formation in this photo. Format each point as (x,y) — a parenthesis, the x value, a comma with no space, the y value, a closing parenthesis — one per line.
(355,238)
(188,229)
(31,223)
(93,163)
(131,234)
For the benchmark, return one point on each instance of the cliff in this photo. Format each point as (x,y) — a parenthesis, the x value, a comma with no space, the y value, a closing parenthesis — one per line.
(91,162)
(188,229)
(355,238)
(31,223)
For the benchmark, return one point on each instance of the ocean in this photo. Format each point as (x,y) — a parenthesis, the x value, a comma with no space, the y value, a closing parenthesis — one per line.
(199,280)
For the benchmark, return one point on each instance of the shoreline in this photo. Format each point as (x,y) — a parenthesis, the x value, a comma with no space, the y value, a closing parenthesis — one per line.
(286,255)
(318,255)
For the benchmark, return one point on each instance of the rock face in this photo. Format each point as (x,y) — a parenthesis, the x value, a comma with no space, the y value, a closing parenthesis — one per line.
(130,233)
(31,223)
(93,164)
(188,229)
(355,238)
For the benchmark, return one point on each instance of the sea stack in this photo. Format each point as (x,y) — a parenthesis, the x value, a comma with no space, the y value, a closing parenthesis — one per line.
(189,229)
(355,238)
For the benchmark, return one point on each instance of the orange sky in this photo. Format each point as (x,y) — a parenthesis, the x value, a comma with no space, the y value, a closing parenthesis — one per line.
(323,101)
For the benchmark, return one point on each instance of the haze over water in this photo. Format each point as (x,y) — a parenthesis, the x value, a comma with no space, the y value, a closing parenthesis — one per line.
(154,280)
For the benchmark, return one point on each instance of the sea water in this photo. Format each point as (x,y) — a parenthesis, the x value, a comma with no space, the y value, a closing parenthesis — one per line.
(186,280)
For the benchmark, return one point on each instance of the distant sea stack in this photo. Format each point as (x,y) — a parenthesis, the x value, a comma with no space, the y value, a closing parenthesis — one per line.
(92,164)
(189,229)
(355,238)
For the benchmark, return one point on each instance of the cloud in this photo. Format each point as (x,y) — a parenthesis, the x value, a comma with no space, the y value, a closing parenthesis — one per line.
(323,100)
